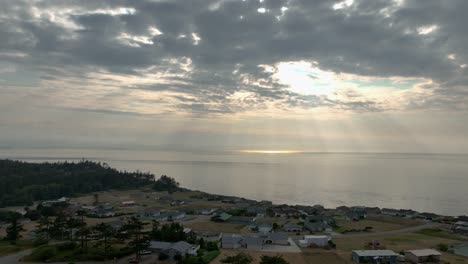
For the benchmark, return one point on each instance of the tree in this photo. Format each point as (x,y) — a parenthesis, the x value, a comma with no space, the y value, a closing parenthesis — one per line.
(96,199)
(14,229)
(273,260)
(166,183)
(105,232)
(43,228)
(240,258)
(138,241)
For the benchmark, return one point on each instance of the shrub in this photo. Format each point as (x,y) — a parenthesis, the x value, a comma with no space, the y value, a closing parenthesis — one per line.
(66,246)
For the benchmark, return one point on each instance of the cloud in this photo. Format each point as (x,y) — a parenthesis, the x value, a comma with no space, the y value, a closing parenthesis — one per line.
(198,57)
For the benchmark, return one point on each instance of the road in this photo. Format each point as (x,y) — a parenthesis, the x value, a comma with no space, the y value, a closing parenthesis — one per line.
(387,233)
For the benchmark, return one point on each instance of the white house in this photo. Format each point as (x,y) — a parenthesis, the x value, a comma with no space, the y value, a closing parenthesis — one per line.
(423,256)
(319,241)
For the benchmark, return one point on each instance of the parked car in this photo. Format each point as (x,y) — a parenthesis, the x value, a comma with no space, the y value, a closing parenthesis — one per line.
(145,252)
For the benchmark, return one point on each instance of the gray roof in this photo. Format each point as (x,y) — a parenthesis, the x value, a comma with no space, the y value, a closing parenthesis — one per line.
(159,245)
(252,241)
(181,246)
(278,236)
(231,239)
(424,252)
(375,253)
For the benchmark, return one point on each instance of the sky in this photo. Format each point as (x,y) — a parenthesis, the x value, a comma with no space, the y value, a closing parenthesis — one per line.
(288,75)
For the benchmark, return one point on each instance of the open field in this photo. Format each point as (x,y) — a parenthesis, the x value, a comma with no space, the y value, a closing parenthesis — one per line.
(6,248)
(318,257)
(377,226)
(216,227)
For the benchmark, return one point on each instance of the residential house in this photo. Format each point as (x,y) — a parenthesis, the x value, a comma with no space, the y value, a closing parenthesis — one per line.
(291,227)
(57,201)
(285,212)
(317,241)
(423,256)
(279,238)
(374,256)
(357,213)
(231,241)
(208,236)
(235,241)
(390,212)
(460,227)
(317,227)
(207,211)
(170,216)
(180,248)
(252,243)
(263,227)
(149,214)
(256,211)
(222,217)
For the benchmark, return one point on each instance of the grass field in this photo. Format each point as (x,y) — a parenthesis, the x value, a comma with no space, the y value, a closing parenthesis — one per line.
(377,226)
(6,248)
(216,227)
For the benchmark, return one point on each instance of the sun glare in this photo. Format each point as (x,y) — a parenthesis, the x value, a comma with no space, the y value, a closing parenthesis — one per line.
(276,151)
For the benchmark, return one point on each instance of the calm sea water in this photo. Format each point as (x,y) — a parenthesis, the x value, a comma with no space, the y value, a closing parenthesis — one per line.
(432,183)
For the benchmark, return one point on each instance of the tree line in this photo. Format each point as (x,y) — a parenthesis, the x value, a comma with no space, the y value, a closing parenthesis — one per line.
(23,182)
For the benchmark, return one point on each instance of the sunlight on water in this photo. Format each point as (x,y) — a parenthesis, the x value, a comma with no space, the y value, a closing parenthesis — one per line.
(261,151)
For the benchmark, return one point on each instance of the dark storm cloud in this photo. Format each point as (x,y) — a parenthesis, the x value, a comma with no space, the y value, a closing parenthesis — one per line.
(370,37)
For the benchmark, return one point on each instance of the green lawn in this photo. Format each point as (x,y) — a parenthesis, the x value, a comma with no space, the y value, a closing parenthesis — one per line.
(208,256)
(6,248)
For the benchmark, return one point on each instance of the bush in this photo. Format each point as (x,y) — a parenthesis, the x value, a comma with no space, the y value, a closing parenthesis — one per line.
(163,256)
(66,246)
(240,258)
(42,253)
(442,247)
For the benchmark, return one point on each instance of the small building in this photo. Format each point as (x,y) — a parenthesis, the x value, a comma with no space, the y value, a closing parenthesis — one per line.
(374,256)
(279,238)
(318,241)
(291,227)
(263,228)
(231,241)
(128,203)
(252,243)
(209,236)
(223,217)
(180,248)
(423,256)
(390,212)
(317,227)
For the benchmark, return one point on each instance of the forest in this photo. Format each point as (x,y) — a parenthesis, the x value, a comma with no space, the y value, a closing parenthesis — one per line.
(24,182)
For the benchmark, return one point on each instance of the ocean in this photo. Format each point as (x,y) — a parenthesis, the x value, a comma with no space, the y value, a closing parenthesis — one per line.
(435,183)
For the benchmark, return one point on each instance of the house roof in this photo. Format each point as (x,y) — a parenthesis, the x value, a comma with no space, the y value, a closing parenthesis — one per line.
(231,239)
(181,246)
(316,237)
(224,216)
(292,225)
(424,252)
(252,240)
(375,253)
(159,245)
(278,236)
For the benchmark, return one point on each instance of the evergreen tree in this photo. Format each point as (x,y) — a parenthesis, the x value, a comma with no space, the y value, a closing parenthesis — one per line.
(13,231)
